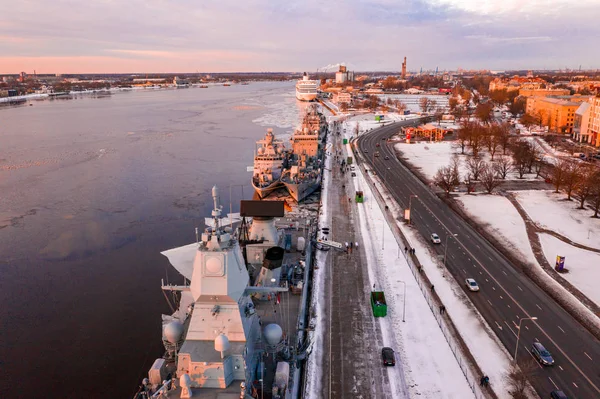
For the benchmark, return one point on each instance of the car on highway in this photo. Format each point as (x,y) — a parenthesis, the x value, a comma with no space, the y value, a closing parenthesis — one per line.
(541,354)
(386,158)
(366,151)
(435,239)
(558,395)
(377,145)
(376,153)
(389,359)
(472,284)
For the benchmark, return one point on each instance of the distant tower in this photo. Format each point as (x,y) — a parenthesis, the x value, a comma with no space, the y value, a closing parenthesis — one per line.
(404,69)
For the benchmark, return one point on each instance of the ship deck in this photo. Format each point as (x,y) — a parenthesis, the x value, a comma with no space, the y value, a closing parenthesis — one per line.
(285,313)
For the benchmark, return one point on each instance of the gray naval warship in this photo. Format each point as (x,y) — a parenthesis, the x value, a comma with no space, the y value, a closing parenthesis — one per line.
(238,330)
(303,176)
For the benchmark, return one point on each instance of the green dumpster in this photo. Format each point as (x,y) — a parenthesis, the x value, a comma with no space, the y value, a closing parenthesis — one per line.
(359,197)
(345,141)
(378,304)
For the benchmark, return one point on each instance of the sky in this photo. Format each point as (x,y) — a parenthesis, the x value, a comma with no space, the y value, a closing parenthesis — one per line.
(126,36)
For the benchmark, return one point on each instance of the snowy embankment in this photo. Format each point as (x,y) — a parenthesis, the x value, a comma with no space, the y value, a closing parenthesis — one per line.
(431,369)
(583,266)
(551,211)
(499,218)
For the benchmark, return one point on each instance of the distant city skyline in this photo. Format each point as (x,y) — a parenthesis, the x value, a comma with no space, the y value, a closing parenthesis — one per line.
(154,36)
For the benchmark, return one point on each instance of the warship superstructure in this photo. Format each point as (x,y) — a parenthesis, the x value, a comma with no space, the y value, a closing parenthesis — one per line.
(269,161)
(303,177)
(237,331)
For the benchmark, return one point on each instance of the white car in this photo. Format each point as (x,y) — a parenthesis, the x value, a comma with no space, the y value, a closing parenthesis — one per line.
(435,239)
(472,284)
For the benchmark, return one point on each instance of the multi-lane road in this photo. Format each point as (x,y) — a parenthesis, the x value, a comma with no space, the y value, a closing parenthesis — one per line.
(507,296)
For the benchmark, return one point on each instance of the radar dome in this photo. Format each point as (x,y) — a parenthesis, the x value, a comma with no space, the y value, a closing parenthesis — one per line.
(273,334)
(173,331)
(221,343)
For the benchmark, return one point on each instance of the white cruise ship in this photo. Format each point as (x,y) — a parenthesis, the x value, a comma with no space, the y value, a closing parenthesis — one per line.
(306,89)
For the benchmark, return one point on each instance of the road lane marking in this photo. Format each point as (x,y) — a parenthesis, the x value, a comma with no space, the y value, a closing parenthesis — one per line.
(555,386)
(414,179)
(499,326)
(538,306)
(588,356)
(536,361)
(519,288)
(501,297)
(508,305)
(490,302)
(527,328)
(494,288)
(504,273)
(487,281)
(575,385)
(511,330)
(516,325)
(561,369)
(561,329)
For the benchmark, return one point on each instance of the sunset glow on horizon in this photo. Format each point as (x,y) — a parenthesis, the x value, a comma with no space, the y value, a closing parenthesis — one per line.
(259,35)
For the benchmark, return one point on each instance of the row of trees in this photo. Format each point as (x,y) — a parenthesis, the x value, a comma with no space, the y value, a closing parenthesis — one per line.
(489,174)
(477,136)
(581,180)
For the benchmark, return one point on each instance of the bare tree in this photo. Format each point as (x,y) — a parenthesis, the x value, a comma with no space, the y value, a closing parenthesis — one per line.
(502,134)
(447,179)
(595,194)
(484,112)
(572,178)
(503,166)
(463,135)
(558,173)
(475,166)
(522,156)
(518,376)
(470,183)
(489,179)
(452,103)
(424,104)
(477,138)
(583,190)
(439,115)
(400,106)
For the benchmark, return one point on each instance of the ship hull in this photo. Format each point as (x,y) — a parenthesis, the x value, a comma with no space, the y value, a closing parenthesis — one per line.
(299,191)
(264,192)
(306,96)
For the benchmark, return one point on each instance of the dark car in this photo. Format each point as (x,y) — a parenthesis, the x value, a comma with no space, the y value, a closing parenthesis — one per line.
(386,158)
(388,357)
(541,354)
(558,395)
(377,145)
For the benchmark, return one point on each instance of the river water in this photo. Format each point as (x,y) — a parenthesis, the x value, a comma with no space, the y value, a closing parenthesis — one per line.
(91,190)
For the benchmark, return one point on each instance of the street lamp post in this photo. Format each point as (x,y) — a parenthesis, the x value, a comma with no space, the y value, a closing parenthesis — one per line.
(446,246)
(410,207)
(519,335)
(403,300)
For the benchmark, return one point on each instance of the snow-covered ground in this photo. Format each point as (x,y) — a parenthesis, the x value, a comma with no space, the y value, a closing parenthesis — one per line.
(500,218)
(550,211)
(430,156)
(412,101)
(584,266)
(431,369)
